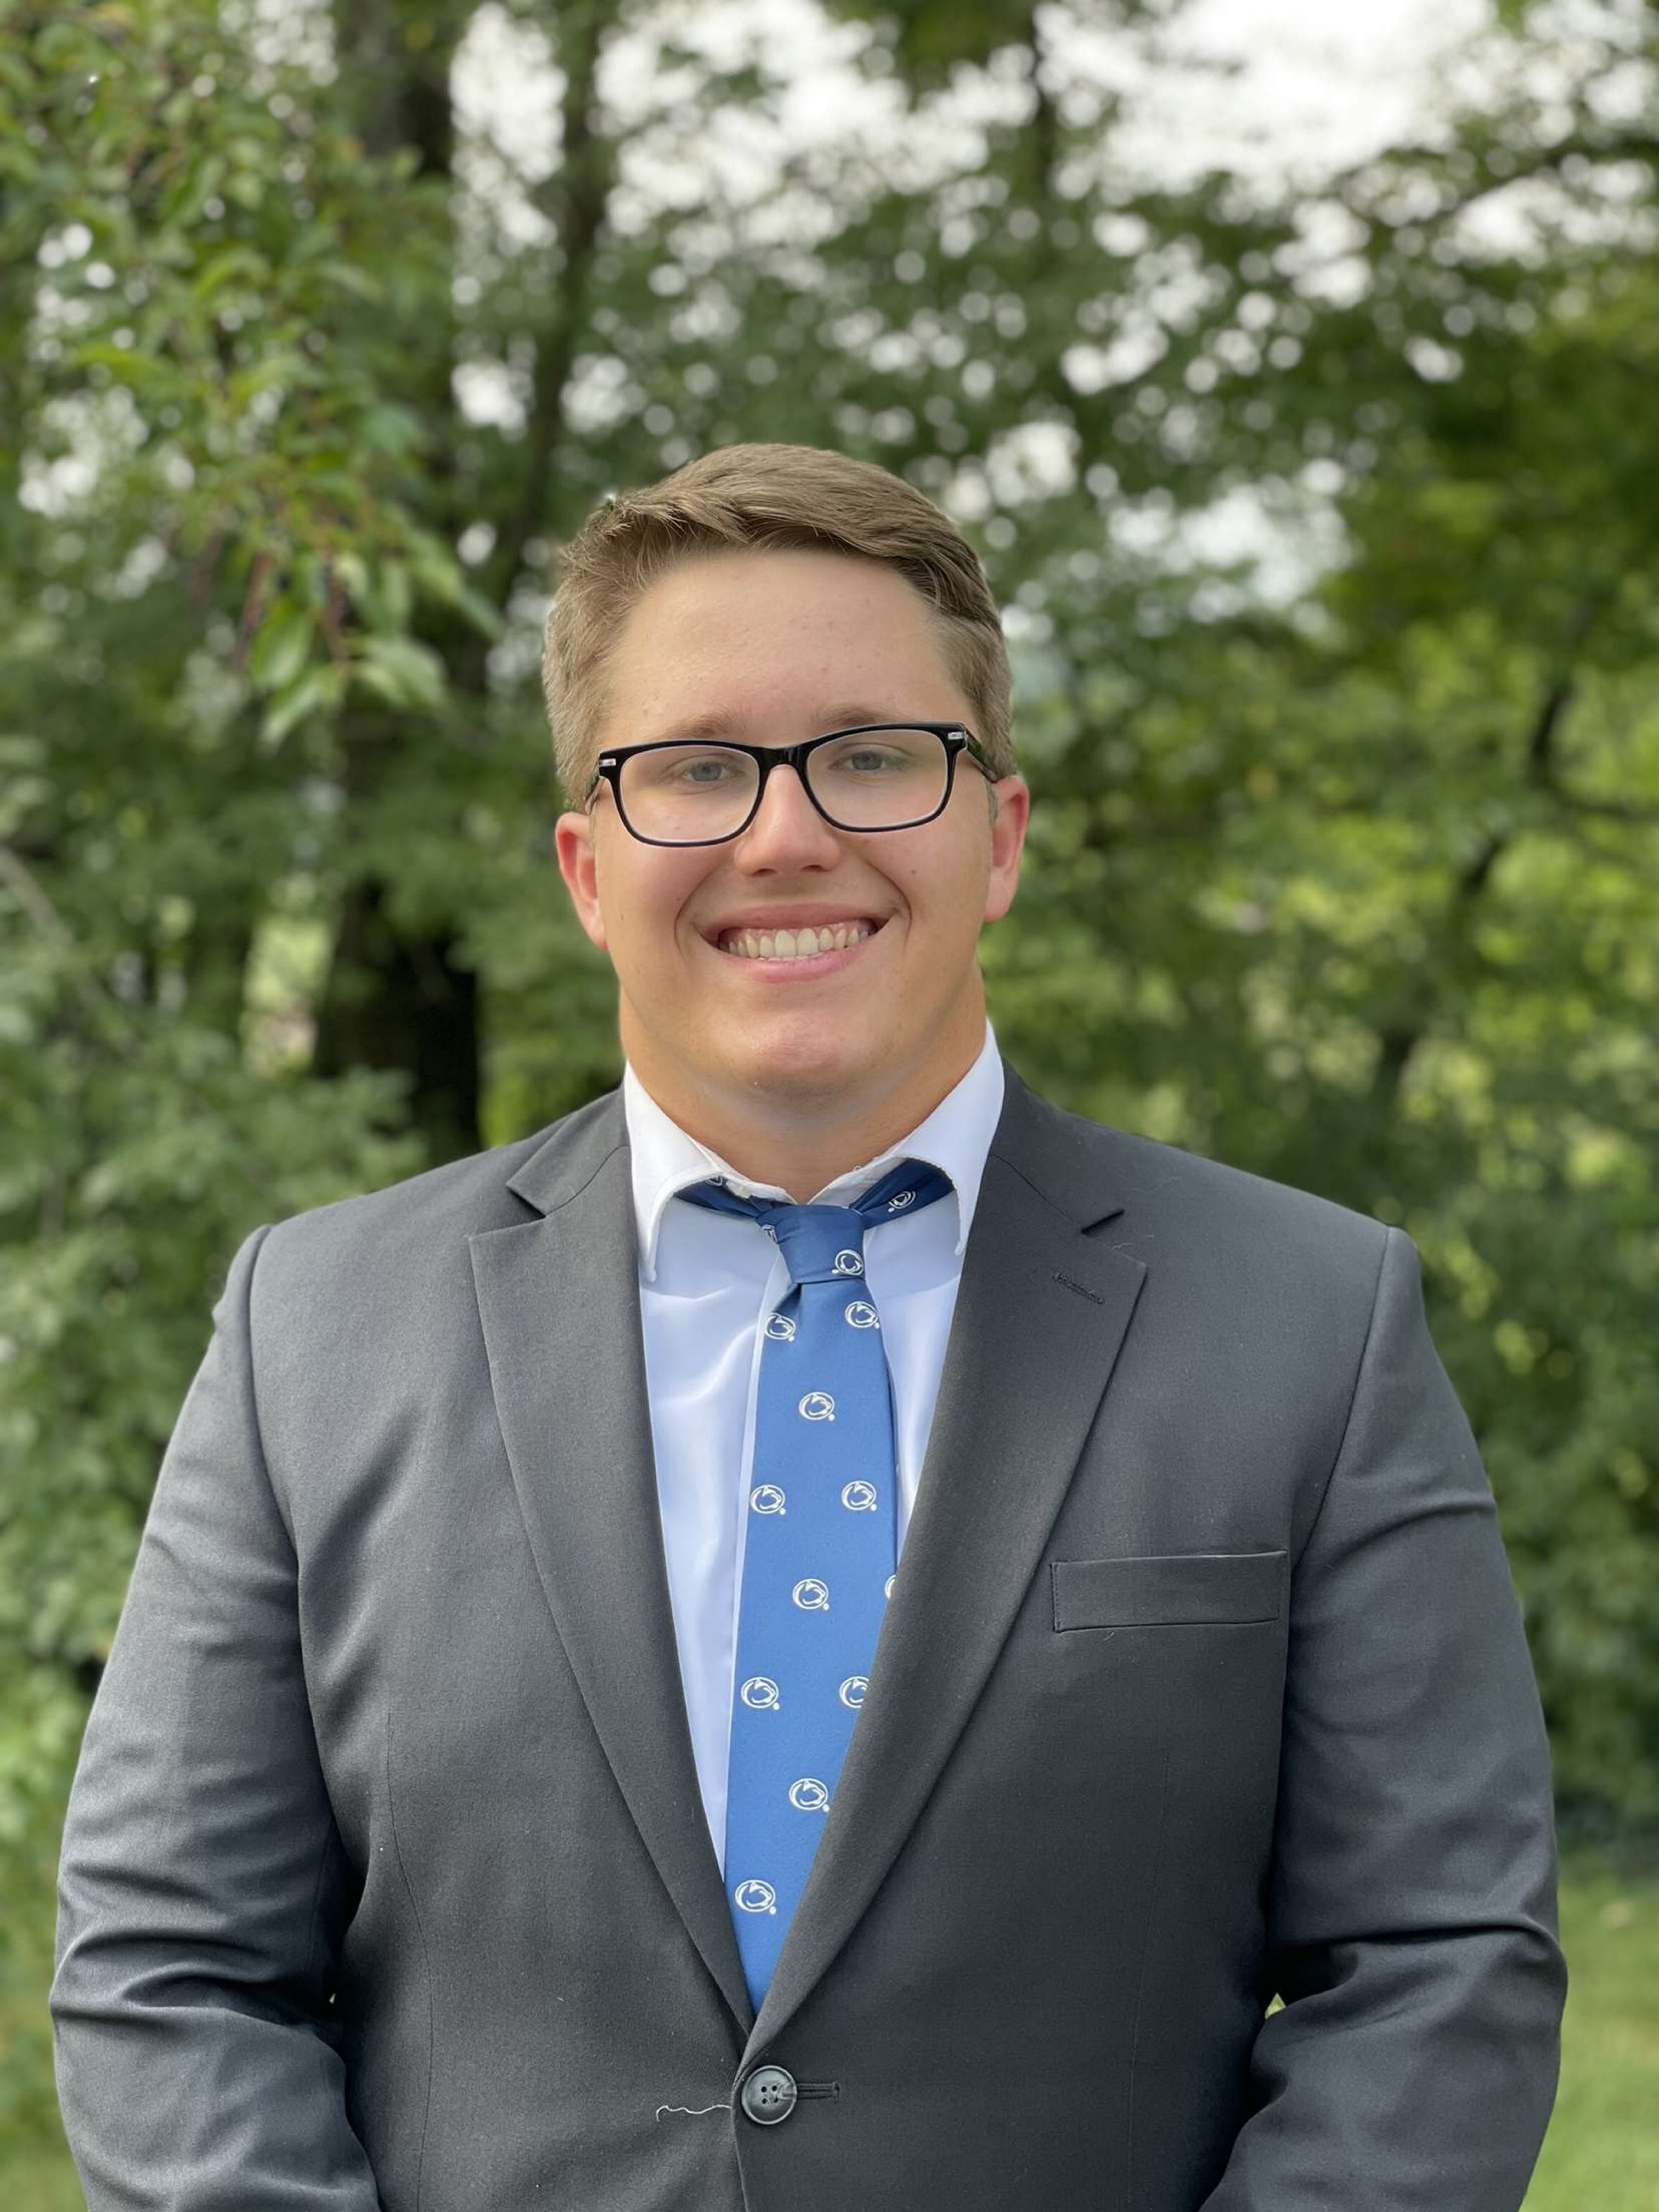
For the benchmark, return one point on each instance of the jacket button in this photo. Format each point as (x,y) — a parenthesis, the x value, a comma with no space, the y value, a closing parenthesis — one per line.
(769,2095)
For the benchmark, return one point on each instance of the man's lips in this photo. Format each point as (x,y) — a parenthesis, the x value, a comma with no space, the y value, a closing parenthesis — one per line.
(794,918)
(802,966)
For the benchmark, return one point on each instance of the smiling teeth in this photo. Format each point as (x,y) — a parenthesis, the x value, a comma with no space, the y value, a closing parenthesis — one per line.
(793,944)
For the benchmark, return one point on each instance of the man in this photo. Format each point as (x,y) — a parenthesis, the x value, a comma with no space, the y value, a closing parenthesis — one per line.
(820,1636)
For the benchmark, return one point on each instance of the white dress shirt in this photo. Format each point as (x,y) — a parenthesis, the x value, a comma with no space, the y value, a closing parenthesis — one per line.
(706,1281)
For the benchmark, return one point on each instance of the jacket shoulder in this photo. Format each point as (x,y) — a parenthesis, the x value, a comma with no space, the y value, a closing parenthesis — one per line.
(424,1216)
(1182,1210)
(1165,1172)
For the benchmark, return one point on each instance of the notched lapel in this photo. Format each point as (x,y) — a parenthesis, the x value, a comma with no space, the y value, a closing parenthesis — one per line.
(559,1303)
(1041,1314)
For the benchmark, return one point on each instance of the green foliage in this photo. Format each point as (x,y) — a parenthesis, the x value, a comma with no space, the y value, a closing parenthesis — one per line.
(1342,869)
(1603,2148)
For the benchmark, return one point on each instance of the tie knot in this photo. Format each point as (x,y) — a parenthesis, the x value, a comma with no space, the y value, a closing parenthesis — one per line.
(818,1242)
(826,1243)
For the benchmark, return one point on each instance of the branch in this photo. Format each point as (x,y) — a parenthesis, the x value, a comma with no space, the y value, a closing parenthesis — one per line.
(1044,126)
(1398,1043)
(1541,750)
(26,885)
(1606,810)
(579,196)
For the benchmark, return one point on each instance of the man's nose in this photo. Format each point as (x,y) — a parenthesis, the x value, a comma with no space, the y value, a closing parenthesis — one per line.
(788,823)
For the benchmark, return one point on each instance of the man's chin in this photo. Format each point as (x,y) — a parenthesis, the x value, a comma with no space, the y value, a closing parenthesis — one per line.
(791,1061)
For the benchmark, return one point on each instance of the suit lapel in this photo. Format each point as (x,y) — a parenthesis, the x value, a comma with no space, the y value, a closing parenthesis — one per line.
(1041,1313)
(559,1301)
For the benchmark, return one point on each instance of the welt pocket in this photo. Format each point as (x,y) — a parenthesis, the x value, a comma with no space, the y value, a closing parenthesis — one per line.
(1155,1593)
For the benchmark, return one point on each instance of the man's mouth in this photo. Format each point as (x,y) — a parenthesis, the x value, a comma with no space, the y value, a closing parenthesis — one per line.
(789,945)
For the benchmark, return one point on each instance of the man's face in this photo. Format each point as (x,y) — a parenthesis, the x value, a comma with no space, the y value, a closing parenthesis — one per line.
(781,647)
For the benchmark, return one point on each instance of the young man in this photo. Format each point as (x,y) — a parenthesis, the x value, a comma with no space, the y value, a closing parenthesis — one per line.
(820,1636)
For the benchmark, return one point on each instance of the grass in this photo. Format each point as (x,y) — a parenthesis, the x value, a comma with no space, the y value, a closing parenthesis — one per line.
(1602,2149)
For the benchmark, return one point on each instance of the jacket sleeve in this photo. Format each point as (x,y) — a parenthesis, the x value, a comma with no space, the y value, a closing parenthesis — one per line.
(1412,1913)
(202,1886)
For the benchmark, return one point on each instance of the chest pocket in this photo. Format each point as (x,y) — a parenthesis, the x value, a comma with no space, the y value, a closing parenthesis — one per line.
(1184,1587)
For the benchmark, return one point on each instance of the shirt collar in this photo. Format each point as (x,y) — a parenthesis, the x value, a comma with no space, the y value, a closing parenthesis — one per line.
(955,1138)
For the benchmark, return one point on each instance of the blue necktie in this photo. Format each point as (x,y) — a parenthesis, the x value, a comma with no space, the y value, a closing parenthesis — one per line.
(820,1550)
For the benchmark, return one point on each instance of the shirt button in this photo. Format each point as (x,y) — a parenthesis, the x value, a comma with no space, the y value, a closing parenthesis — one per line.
(769,2095)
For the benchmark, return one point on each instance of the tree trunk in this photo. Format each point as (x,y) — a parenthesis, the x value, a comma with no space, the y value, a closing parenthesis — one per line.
(391,1000)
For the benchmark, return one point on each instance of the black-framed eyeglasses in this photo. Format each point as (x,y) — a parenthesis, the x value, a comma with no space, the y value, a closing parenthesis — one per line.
(878,776)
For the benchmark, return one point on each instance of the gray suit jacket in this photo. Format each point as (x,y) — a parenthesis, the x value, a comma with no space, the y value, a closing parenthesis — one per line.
(387,1879)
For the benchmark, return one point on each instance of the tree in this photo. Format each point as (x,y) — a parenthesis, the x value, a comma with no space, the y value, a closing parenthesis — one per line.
(1342,860)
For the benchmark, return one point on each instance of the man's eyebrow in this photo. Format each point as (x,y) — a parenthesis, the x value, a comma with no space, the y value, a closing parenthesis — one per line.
(711,728)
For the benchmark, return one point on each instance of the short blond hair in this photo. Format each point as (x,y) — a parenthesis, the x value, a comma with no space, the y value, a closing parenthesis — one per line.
(763,495)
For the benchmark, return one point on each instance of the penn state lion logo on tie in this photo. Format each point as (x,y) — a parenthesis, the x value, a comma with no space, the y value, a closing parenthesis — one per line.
(840,1533)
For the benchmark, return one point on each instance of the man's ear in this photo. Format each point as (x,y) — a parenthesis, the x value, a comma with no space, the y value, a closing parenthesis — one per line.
(1012,798)
(578,863)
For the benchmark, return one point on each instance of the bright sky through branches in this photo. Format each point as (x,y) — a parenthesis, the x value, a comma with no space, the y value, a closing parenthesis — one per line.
(1307,89)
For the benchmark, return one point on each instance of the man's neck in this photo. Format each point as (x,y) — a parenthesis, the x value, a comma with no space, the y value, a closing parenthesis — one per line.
(803,1155)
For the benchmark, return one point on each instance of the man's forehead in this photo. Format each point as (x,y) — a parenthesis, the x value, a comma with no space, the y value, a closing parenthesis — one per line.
(761,729)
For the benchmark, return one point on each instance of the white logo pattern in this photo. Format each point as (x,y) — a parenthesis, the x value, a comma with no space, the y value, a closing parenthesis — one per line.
(808,1793)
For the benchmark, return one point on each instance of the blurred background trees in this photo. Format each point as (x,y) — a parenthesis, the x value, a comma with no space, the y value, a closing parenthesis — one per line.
(1324,508)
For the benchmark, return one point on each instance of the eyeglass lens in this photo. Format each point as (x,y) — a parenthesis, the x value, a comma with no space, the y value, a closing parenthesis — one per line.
(875,779)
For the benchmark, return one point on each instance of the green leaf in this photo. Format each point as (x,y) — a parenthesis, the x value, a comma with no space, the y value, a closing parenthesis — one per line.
(389,429)
(484,615)
(235,262)
(281,646)
(126,364)
(347,276)
(389,600)
(443,579)
(269,369)
(351,574)
(318,691)
(402,671)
